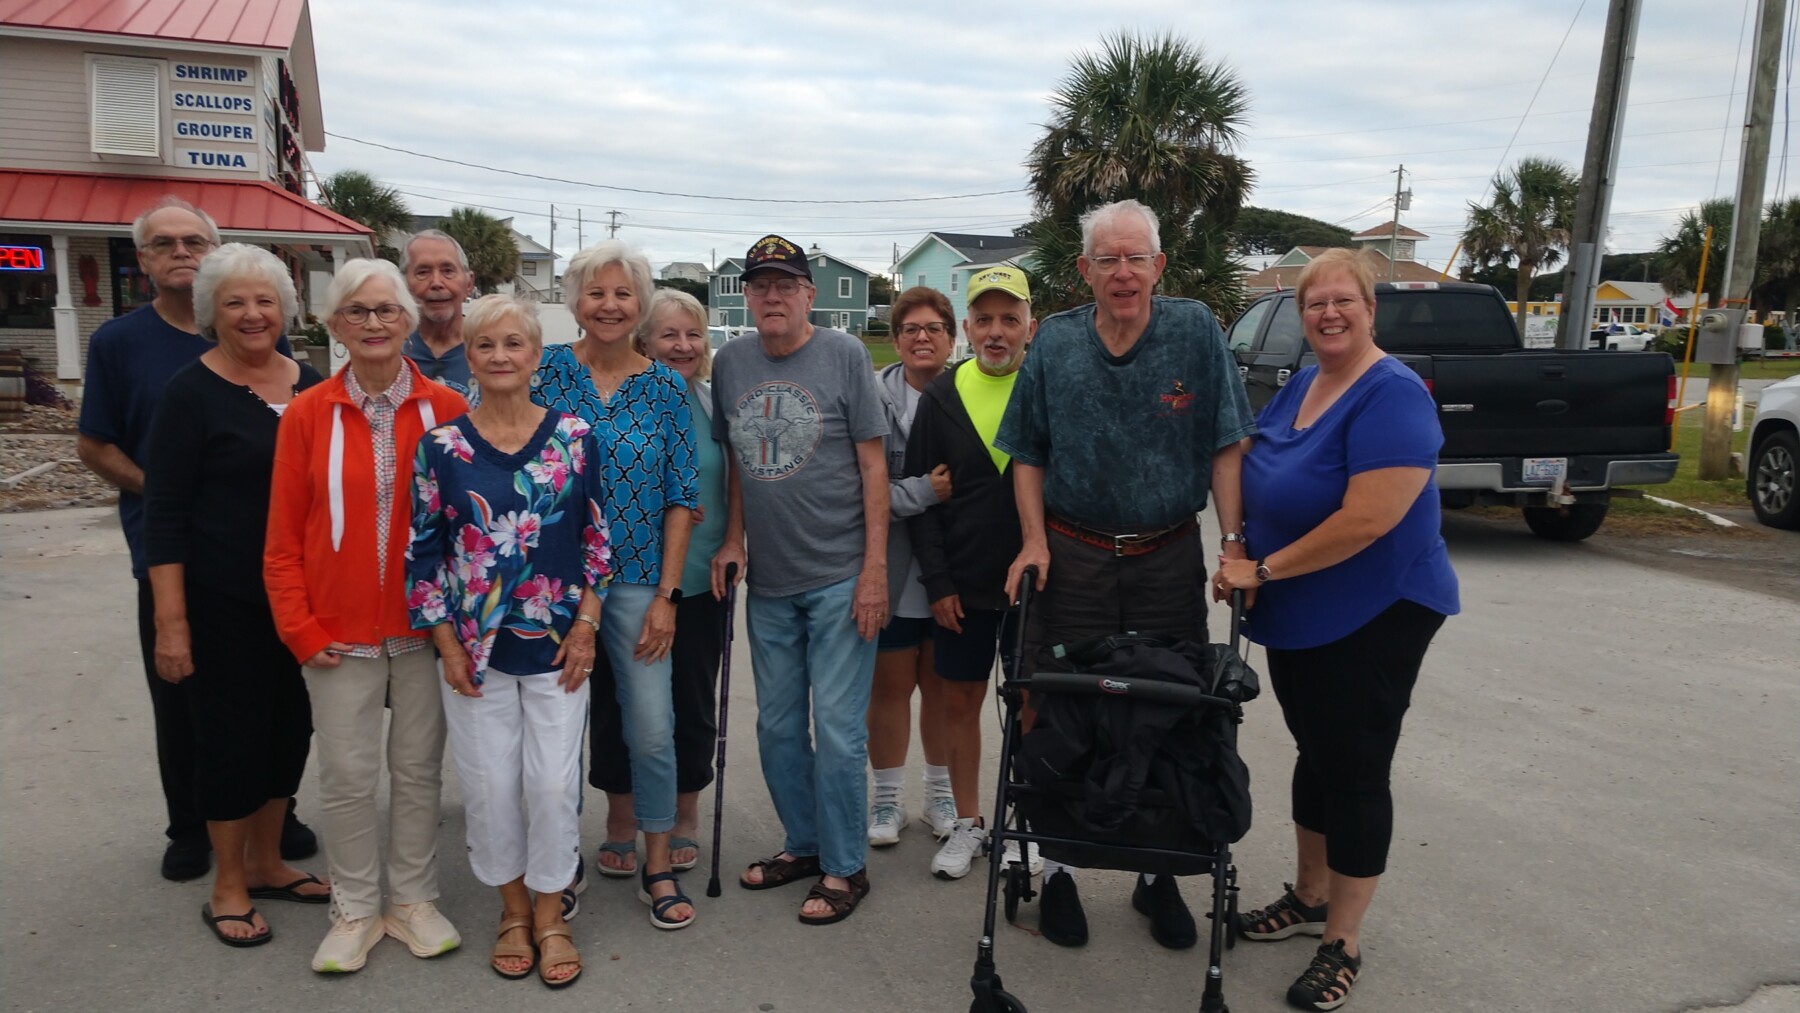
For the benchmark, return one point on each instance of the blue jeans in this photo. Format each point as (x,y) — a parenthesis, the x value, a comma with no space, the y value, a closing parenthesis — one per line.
(646,706)
(800,645)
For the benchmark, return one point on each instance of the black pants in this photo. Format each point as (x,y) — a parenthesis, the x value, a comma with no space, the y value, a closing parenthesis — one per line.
(251,715)
(174,731)
(1344,702)
(694,663)
(1092,593)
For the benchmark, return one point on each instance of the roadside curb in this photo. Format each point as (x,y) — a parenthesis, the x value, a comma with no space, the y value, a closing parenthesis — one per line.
(1715,518)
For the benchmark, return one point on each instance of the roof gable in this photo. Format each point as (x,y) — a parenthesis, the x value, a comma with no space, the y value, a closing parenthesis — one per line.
(1386,231)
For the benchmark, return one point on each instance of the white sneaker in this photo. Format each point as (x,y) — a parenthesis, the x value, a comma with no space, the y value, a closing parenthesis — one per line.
(346,947)
(939,814)
(1035,863)
(424,929)
(886,819)
(952,861)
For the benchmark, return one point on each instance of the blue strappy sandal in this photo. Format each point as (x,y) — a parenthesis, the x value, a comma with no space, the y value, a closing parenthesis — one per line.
(623,849)
(660,905)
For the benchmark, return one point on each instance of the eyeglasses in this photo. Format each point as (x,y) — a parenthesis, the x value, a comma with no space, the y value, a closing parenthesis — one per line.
(164,245)
(1341,304)
(936,329)
(1111,264)
(387,313)
(783,286)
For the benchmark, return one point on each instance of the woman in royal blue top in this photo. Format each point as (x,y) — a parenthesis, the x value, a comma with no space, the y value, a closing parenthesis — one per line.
(507,566)
(1348,581)
(639,411)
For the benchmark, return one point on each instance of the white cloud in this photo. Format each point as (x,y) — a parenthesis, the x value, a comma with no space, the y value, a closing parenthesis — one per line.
(841,102)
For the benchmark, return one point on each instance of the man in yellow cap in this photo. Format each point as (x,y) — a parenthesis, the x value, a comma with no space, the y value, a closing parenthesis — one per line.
(965,544)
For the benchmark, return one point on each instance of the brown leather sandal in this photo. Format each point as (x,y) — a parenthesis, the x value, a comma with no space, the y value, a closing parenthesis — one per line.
(843,902)
(517,951)
(779,871)
(546,961)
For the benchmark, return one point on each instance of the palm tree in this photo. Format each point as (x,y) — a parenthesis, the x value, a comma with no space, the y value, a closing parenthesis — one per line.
(1778,260)
(493,253)
(1527,218)
(362,198)
(1678,261)
(1155,120)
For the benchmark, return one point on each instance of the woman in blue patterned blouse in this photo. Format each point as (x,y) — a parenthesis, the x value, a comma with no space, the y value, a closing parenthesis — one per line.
(639,411)
(507,567)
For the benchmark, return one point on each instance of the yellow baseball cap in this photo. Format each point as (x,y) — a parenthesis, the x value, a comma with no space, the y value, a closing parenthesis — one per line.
(1010,280)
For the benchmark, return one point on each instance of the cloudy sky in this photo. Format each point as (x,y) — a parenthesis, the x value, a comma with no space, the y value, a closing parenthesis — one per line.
(862,128)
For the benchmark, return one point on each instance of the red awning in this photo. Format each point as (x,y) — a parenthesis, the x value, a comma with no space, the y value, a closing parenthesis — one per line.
(90,199)
(262,24)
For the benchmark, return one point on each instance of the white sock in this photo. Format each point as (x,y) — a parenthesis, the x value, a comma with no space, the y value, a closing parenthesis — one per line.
(1052,867)
(937,779)
(890,780)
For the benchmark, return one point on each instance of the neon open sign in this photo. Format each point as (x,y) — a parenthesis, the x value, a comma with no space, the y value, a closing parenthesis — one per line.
(21,258)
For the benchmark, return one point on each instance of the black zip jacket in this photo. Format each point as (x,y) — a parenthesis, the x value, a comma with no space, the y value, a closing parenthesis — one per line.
(965,544)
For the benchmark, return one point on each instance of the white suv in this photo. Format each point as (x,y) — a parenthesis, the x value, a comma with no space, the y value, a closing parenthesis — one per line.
(1774,446)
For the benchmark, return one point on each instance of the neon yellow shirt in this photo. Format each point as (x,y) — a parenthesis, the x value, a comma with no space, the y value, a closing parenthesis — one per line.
(984,397)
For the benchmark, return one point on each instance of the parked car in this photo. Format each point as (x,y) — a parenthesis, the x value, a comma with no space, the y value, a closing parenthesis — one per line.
(1552,432)
(1774,446)
(1625,338)
(717,336)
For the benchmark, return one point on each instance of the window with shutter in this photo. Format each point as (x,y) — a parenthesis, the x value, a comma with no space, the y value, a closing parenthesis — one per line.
(127,106)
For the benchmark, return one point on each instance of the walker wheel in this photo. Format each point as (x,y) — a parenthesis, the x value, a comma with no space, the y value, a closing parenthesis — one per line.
(1001,1002)
(1231,921)
(1018,887)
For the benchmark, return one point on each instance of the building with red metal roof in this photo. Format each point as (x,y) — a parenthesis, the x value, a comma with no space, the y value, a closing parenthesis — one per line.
(108,105)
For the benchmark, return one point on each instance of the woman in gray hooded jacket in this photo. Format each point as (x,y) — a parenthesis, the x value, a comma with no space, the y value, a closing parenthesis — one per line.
(924,329)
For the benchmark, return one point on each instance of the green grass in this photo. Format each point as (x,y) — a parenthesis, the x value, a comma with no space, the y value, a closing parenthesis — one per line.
(882,351)
(1768,369)
(1687,486)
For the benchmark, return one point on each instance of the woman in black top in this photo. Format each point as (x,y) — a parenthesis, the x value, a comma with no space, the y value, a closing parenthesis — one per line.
(211,452)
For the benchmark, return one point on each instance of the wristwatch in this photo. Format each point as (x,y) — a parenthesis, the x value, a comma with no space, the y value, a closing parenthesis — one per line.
(590,621)
(1263,576)
(672,595)
(1233,536)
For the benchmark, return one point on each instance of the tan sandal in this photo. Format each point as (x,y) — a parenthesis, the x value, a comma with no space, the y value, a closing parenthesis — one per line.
(516,951)
(546,961)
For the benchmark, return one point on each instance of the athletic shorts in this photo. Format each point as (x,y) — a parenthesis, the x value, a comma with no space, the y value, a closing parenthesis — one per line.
(969,656)
(903,633)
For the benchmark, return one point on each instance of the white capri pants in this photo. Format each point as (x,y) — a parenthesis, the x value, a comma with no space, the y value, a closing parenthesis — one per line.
(519,744)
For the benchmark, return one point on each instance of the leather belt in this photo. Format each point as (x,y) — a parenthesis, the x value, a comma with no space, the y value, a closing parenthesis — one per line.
(1138,544)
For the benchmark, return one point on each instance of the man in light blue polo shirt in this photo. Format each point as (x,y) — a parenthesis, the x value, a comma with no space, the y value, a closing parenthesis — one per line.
(438,276)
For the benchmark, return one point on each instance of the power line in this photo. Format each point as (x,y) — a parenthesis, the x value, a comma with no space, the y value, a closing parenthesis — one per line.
(1737,56)
(1540,87)
(668,193)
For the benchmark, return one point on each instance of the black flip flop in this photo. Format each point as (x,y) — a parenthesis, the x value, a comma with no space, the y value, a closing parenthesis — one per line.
(212,922)
(291,892)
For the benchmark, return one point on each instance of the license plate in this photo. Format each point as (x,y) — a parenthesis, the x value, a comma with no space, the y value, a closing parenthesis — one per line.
(1545,469)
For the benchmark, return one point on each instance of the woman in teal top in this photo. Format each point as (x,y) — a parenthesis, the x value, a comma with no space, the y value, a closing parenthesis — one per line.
(674,334)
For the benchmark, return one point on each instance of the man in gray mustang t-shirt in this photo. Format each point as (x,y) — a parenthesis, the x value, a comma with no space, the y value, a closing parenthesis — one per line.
(800,411)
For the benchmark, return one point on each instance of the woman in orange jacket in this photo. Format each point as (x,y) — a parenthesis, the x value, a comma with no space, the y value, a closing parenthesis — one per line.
(340,505)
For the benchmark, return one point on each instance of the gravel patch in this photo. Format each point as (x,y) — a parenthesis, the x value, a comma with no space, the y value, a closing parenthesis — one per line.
(47,434)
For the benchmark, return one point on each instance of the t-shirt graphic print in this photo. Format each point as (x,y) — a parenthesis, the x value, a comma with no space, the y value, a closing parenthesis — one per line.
(777,430)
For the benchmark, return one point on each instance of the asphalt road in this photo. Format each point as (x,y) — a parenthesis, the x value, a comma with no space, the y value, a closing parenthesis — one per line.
(1595,793)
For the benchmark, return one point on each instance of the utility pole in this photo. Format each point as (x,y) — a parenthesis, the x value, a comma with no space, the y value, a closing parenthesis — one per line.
(552,281)
(1587,238)
(612,228)
(1746,229)
(1394,240)
(580,242)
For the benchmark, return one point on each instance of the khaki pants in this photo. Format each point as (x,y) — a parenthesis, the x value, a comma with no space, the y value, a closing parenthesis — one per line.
(347,717)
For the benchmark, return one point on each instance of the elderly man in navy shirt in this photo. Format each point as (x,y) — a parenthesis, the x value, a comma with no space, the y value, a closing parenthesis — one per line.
(130,360)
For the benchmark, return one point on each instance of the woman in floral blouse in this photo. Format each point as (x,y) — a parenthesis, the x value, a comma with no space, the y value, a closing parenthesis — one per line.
(507,568)
(639,410)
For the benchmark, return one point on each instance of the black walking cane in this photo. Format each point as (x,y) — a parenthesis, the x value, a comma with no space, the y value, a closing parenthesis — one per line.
(712,885)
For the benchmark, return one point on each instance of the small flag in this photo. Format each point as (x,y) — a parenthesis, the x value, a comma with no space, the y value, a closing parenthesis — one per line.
(1670,312)
(1277,282)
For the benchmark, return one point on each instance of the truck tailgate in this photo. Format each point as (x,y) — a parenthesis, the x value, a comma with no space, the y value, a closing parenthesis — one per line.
(1550,403)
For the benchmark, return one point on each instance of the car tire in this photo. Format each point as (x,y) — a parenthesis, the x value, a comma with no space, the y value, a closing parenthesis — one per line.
(1566,524)
(1770,482)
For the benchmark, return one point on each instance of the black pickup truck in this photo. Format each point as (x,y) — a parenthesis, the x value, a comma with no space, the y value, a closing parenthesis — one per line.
(1553,432)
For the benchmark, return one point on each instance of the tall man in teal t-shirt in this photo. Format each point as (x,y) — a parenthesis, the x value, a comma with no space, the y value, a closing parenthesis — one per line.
(1126,414)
